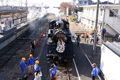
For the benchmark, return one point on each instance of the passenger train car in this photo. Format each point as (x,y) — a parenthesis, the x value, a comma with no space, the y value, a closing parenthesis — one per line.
(59,43)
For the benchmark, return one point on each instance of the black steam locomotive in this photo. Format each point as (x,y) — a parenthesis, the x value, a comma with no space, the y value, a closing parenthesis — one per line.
(59,43)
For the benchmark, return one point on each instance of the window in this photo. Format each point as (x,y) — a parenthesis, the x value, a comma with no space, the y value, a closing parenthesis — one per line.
(80,2)
(101,11)
(112,14)
(88,21)
(92,22)
(85,2)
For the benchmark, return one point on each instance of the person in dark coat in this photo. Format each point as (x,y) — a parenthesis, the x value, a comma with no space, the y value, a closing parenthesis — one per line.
(32,47)
(78,40)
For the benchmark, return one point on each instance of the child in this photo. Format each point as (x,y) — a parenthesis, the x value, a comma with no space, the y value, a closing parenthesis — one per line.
(38,75)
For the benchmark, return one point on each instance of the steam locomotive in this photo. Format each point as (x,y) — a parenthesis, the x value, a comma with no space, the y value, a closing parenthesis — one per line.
(59,43)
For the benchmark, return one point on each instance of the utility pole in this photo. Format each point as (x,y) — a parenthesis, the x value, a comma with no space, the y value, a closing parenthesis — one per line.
(114,1)
(73,7)
(26,4)
(102,36)
(67,13)
(95,33)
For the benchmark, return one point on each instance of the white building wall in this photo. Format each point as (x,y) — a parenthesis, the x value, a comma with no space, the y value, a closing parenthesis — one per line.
(114,22)
(89,13)
(110,64)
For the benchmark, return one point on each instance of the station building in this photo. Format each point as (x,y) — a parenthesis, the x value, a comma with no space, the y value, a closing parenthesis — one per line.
(87,18)
(110,56)
(11,17)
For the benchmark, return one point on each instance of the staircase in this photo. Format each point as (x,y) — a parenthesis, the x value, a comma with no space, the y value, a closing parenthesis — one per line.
(114,22)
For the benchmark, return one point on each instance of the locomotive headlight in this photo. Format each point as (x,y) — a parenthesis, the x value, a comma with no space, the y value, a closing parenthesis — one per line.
(65,38)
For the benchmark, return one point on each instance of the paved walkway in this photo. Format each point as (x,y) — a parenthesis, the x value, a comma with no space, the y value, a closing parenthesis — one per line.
(85,48)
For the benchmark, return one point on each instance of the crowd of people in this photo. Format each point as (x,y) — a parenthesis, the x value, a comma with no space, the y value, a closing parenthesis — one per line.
(35,70)
(33,65)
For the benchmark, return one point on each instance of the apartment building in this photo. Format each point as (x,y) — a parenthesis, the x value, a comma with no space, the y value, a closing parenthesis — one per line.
(83,2)
(112,18)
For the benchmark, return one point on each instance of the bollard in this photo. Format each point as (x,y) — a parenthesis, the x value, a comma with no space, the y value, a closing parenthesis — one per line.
(30,51)
(34,43)
(43,35)
(40,37)
(37,41)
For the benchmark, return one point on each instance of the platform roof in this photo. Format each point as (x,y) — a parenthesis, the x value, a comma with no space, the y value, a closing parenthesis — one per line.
(8,11)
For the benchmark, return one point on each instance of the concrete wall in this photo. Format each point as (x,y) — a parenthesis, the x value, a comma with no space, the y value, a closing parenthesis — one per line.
(13,37)
(110,63)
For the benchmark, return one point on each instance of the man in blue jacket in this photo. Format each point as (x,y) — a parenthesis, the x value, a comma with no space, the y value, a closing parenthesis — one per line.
(53,72)
(36,66)
(22,66)
(95,71)
(30,64)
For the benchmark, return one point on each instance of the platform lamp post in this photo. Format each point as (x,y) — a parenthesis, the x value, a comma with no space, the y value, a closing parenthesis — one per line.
(74,7)
(95,32)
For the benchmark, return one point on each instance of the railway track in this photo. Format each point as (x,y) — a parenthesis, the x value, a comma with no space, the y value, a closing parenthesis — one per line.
(13,47)
(33,33)
(63,73)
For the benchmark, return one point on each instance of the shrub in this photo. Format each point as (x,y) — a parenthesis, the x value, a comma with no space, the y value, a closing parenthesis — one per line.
(72,18)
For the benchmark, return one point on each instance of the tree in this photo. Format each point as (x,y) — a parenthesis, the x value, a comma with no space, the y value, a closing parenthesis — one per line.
(64,5)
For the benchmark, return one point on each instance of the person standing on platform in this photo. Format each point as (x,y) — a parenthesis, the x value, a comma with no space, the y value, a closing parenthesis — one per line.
(85,35)
(92,38)
(95,71)
(22,66)
(36,66)
(78,40)
(38,75)
(30,64)
(53,72)
(103,33)
(32,47)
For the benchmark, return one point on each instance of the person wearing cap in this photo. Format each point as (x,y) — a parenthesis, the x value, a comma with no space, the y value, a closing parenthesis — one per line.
(53,72)
(30,64)
(22,66)
(95,71)
(37,71)
(36,66)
